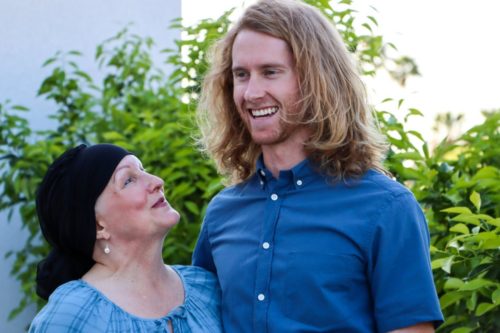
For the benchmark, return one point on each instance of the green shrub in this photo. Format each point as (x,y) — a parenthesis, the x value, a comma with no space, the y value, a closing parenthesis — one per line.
(141,108)
(458,185)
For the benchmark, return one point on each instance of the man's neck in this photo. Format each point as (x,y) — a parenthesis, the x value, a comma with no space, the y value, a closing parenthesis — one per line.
(277,158)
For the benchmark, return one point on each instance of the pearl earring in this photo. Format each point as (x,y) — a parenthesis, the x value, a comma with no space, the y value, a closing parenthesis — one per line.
(107,250)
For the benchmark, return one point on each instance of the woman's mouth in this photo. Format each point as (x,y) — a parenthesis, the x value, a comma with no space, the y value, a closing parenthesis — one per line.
(160,203)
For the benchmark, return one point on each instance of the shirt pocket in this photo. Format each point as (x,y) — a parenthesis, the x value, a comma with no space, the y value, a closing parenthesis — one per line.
(318,286)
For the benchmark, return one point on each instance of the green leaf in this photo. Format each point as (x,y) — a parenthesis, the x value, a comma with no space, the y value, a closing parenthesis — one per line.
(475,198)
(471,302)
(415,156)
(453,283)
(495,297)
(49,61)
(400,102)
(83,75)
(450,298)
(113,136)
(367,26)
(371,18)
(417,135)
(20,108)
(467,218)
(483,308)
(495,222)
(491,244)
(443,263)
(476,284)
(193,208)
(458,210)
(486,173)
(460,228)
(463,329)
(484,236)
(416,112)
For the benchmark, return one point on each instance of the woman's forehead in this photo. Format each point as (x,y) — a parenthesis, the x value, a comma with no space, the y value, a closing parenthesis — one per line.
(127,162)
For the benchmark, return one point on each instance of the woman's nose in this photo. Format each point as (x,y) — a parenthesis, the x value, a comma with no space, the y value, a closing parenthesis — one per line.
(155,183)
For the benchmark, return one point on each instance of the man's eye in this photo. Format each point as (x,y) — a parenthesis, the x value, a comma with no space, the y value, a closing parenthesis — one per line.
(269,72)
(239,74)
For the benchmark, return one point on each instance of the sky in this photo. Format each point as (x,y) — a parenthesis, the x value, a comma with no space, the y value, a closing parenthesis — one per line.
(454,43)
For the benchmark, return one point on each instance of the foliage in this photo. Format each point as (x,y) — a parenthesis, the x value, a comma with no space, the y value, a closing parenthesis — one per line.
(135,106)
(138,106)
(458,186)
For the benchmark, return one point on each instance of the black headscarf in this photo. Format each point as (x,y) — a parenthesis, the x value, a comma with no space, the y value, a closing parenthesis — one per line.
(65,204)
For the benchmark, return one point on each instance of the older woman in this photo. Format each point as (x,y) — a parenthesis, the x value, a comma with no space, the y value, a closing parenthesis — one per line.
(106,218)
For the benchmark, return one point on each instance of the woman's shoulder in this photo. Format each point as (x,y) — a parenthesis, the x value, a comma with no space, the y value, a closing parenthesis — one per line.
(198,283)
(70,295)
(202,298)
(197,280)
(69,306)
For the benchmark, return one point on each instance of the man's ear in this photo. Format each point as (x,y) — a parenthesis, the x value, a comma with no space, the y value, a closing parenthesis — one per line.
(102,233)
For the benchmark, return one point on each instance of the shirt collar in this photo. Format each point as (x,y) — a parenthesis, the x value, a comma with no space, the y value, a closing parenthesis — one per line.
(300,174)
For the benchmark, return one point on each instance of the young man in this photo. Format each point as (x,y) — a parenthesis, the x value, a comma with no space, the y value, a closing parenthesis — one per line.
(312,236)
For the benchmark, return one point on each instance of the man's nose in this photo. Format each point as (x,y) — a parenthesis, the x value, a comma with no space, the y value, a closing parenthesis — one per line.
(254,89)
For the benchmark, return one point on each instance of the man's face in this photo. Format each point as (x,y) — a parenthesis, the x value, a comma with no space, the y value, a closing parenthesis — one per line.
(265,86)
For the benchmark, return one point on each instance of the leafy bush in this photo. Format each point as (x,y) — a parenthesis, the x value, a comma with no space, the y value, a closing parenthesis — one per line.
(458,185)
(135,106)
(141,108)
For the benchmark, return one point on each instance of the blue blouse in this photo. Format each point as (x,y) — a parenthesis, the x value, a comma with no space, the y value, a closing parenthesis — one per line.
(76,306)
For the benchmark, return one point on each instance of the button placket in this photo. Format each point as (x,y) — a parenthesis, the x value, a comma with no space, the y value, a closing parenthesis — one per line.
(273,190)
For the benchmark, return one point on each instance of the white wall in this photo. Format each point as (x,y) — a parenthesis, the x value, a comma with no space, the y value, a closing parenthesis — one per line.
(32,31)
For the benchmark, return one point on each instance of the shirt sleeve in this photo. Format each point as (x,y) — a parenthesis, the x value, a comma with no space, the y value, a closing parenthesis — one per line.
(202,255)
(72,307)
(400,273)
(58,316)
(204,299)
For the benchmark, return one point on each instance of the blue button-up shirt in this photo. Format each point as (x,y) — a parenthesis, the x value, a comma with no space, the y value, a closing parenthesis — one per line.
(302,254)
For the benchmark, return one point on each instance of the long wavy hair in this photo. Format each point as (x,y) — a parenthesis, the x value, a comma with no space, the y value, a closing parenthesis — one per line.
(345,140)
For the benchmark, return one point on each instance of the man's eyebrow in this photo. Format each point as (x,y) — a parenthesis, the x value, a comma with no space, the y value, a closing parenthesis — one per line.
(274,64)
(262,66)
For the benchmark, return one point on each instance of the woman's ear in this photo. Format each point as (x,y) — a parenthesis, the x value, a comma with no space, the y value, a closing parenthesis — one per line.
(102,233)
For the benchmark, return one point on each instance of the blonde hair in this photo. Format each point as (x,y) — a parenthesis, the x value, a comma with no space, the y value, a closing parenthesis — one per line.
(344,142)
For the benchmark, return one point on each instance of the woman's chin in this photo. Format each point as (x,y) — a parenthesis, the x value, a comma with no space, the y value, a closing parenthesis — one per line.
(172,217)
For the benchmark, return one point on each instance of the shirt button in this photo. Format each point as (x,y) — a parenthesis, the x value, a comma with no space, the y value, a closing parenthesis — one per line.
(261,183)
(274,197)
(262,173)
(299,182)
(261,297)
(265,245)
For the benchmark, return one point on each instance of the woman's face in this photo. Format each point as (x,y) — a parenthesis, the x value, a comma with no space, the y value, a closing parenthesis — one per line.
(133,205)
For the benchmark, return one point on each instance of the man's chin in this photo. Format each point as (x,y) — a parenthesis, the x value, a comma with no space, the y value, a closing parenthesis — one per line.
(270,140)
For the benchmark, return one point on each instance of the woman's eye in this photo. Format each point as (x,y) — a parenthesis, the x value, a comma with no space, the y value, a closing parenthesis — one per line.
(128,181)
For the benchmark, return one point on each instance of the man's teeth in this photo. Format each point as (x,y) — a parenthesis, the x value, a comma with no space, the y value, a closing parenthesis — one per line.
(264,112)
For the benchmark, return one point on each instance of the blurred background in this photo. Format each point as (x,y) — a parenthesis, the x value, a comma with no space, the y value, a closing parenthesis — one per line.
(453,45)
